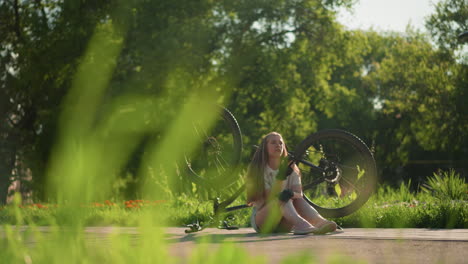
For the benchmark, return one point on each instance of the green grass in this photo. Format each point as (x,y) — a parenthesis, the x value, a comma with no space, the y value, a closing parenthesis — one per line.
(421,211)
(388,208)
(441,203)
(66,242)
(447,185)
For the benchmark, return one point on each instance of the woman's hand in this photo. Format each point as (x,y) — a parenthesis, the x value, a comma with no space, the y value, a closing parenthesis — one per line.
(297,189)
(297,195)
(285,195)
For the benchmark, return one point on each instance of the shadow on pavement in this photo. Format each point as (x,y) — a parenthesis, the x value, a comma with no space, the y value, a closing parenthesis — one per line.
(238,238)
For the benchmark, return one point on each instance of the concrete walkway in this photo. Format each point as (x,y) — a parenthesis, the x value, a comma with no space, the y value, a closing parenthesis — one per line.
(460,235)
(351,245)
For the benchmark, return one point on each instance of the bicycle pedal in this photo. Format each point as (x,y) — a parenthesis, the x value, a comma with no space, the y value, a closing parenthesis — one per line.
(195,227)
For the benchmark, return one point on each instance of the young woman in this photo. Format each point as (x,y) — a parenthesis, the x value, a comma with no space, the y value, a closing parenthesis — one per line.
(274,190)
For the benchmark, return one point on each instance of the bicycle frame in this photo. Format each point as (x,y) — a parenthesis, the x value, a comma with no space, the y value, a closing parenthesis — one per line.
(220,207)
(327,169)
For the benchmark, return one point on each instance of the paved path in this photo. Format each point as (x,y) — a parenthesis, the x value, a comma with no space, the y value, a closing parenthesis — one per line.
(354,244)
(351,245)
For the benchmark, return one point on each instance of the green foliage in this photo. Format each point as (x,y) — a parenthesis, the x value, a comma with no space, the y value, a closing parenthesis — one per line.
(448,21)
(388,208)
(66,244)
(278,65)
(400,208)
(447,185)
(97,94)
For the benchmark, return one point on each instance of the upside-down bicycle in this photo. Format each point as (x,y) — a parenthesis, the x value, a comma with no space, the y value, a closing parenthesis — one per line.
(338,170)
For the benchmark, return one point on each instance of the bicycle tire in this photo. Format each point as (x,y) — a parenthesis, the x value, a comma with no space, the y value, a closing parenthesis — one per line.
(228,128)
(463,37)
(354,158)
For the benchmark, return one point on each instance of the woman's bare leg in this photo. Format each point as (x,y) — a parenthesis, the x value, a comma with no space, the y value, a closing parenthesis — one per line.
(309,213)
(276,214)
(268,217)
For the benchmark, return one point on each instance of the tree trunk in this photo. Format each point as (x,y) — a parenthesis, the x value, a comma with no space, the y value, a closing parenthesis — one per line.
(4,184)
(7,163)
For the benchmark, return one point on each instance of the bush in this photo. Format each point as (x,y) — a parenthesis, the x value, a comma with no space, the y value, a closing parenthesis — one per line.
(447,185)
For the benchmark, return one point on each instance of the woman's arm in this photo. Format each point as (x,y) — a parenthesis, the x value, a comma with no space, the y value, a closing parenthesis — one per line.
(296,185)
(281,184)
(297,189)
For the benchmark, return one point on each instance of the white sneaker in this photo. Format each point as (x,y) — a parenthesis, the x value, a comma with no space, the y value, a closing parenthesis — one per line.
(328,227)
(304,231)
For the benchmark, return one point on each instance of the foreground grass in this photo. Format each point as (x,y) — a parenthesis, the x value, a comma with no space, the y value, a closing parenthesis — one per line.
(66,242)
(388,208)
(65,245)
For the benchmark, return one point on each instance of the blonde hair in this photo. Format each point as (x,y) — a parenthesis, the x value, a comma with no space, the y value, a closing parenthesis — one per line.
(254,180)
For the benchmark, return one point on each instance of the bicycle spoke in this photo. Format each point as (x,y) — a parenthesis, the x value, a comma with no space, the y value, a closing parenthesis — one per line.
(313,183)
(217,152)
(352,185)
(220,165)
(348,167)
(348,171)
(224,160)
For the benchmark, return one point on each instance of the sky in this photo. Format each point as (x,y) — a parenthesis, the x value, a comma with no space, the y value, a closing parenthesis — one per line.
(388,15)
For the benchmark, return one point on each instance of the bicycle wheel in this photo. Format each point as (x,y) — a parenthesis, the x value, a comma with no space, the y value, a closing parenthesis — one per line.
(215,160)
(344,175)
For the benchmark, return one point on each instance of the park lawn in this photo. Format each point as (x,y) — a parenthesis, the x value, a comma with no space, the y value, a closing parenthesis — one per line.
(387,208)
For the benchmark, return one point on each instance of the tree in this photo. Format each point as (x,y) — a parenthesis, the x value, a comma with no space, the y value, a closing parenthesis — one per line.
(43,46)
(449,20)
(279,60)
(40,47)
(278,65)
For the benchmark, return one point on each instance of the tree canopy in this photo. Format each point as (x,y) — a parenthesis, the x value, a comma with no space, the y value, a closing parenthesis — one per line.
(277,65)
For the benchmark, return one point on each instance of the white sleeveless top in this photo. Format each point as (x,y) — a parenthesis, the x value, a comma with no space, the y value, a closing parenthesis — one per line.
(269,177)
